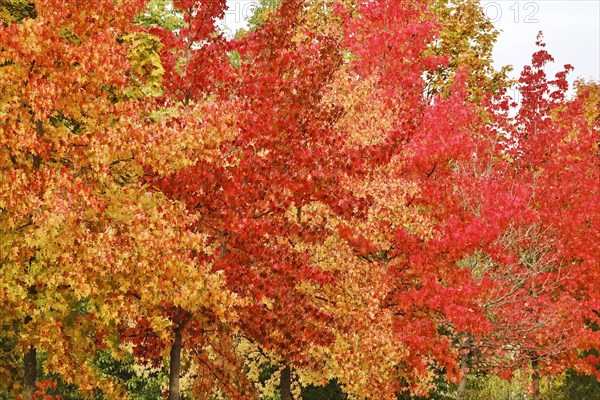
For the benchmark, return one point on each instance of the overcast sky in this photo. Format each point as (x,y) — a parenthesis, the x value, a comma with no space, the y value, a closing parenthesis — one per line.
(571,31)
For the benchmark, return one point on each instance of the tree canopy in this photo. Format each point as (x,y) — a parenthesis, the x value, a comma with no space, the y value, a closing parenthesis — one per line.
(341,197)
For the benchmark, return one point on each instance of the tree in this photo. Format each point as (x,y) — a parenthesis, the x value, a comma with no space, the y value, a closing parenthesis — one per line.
(85,245)
(45,168)
(560,153)
(538,262)
(243,197)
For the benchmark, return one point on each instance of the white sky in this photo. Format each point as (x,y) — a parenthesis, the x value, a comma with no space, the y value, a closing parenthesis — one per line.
(571,31)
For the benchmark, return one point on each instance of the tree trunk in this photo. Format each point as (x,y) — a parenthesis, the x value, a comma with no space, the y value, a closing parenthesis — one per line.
(30,357)
(285,384)
(175,365)
(535,379)
(464,369)
(30,369)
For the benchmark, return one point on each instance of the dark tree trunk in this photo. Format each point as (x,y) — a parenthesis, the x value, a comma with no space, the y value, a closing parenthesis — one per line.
(30,369)
(175,365)
(464,369)
(30,357)
(285,385)
(535,379)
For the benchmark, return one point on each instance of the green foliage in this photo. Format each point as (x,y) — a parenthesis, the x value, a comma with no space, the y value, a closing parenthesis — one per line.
(235,59)
(442,391)
(161,13)
(332,391)
(261,13)
(139,385)
(492,387)
(577,387)
(16,10)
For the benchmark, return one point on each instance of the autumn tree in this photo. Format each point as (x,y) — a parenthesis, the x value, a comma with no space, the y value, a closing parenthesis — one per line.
(41,140)
(275,161)
(536,265)
(85,246)
(559,156)
(190,120)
